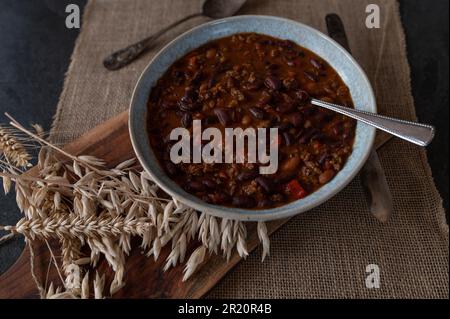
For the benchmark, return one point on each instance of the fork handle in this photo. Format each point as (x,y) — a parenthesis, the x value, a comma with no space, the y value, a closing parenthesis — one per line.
(125,56)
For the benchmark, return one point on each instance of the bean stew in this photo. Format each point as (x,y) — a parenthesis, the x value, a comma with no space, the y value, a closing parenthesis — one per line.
(254,80)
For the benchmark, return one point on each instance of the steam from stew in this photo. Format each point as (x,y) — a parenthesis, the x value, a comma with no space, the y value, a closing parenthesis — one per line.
(252,80)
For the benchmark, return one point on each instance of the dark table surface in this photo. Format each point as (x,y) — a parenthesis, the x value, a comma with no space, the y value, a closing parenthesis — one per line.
(35,49)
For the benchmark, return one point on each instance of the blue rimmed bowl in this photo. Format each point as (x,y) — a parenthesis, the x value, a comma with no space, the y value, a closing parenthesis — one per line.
(349,70)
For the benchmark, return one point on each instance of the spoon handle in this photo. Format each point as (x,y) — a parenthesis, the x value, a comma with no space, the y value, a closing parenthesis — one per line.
(125,56)
(417,133)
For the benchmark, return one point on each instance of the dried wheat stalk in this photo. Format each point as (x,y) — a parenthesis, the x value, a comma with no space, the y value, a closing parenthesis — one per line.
(80,202)
(12,149)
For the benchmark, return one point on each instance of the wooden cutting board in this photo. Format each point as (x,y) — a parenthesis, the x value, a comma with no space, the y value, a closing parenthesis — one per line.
(144,276)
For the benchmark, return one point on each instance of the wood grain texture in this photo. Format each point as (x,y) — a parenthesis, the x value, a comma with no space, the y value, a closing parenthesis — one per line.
(144,276)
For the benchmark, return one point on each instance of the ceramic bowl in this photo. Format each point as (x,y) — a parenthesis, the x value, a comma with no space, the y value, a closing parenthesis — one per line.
(349,70)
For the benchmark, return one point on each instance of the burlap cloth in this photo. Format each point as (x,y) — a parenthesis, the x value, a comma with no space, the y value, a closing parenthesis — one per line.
(322,253)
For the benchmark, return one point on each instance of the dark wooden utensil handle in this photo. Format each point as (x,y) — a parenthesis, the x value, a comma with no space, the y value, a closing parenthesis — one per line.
(373,179)
(336,30)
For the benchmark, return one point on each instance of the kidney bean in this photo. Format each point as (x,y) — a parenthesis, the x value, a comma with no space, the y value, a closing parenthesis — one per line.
(290,83)
(274,53)
(265,98)
(290,164)
(338,129)
(328,164)
(212,79)
(271,67)
(266,184)
(285,107)
(296,119)
(290,63)
(208,198)
(209,183)
(306,136)
(252,86)
(286,98)
(314,88)
(220,197)
(194,186)
(346,135)
(257,113)
(223,116)
(288,44)
(302,96)
(244,201)
(336,144)
(320,136)
(298,53)
(311,76)
(272,83)
(317,64)
(308,110)
(285,177)
(264,202)
(186,120)
(326,176)
(196,78)
(188,101)
(322,158)
(245,176)
(283,126)
(288,139)
(223,67)
(234,114)
(321,117)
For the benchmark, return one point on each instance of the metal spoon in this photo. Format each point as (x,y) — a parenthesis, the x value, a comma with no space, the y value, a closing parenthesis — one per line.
(417,133)
(214,9)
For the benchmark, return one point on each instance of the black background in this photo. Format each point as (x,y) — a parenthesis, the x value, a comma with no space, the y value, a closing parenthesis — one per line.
(35,49)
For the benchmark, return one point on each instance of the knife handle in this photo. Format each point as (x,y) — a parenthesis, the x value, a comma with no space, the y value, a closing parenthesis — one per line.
(336,30)
(373,179)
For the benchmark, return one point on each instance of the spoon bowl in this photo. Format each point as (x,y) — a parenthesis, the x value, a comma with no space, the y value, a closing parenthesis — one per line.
(217,9)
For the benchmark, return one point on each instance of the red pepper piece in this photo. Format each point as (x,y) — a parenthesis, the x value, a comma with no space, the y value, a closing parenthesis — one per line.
(295,190)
